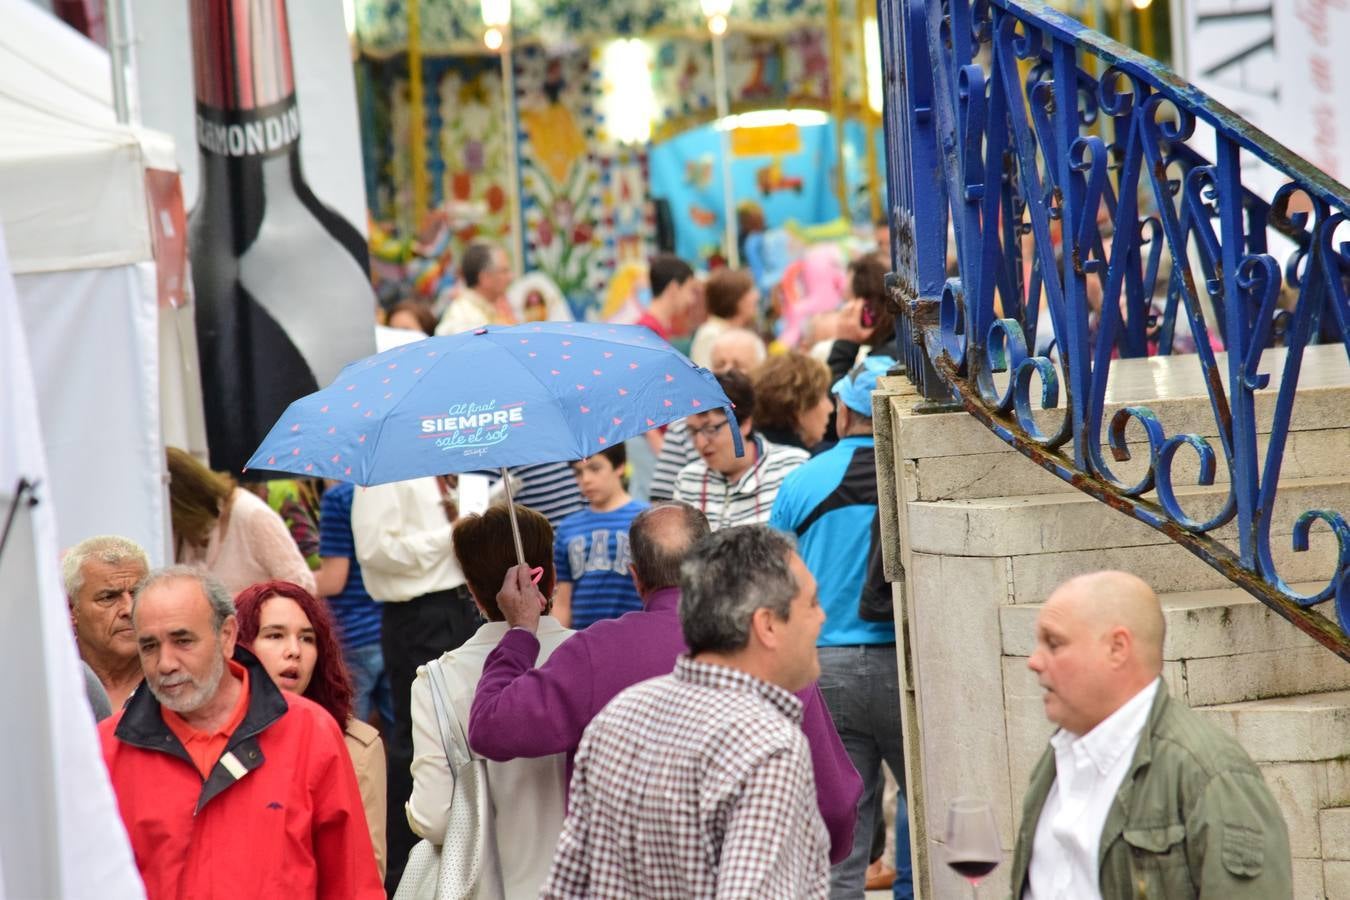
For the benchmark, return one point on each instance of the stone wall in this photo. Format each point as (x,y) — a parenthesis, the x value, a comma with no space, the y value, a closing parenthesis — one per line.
(983,535)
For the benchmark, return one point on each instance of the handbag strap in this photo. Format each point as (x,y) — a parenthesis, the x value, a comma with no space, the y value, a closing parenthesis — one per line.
(457,752)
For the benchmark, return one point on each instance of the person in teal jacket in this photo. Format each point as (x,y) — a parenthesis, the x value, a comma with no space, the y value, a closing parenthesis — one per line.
(829,504)
(1137,795)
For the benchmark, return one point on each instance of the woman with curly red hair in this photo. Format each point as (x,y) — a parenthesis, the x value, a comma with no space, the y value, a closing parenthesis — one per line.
(293,635)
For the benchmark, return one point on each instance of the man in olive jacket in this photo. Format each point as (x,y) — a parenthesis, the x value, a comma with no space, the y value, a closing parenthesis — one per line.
(1137,796)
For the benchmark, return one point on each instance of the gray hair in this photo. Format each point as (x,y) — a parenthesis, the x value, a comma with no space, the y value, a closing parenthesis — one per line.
(742,336)
(110,549)
(660,537)
(222,604)
(729,576)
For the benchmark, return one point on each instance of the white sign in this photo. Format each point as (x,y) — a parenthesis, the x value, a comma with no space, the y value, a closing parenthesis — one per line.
(1277,64)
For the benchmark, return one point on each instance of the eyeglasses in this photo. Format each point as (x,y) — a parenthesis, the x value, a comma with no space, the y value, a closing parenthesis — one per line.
(707,431)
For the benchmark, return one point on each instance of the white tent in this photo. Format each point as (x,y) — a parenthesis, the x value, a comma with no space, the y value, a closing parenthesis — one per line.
(74,207)
(61,835)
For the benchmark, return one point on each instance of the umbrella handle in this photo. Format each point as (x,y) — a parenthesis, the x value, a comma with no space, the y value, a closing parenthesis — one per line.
(511,509)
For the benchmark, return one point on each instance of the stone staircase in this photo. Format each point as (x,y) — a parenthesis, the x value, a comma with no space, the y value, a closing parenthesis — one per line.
(984,536)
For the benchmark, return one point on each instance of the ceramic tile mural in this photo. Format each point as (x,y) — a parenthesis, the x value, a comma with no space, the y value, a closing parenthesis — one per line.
(583,200)
(455,27)
(561,198)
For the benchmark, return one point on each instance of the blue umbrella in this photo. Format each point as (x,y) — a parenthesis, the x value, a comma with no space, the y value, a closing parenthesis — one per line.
(495,397)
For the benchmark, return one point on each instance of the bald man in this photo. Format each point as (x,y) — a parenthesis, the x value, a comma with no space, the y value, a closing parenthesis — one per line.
(737,348)
(1136,796)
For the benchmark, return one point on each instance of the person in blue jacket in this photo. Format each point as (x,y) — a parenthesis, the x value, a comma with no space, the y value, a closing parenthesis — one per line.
(829,504)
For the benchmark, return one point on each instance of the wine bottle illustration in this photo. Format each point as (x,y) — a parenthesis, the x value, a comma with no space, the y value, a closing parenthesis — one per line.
(282,297)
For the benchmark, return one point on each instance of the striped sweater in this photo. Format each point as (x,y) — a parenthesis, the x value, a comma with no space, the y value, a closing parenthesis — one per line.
(749,499)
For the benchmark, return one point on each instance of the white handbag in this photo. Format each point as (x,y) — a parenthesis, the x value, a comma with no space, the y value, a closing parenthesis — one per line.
(466,866)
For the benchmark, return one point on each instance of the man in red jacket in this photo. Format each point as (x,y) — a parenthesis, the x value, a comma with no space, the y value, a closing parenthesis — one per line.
(227,786)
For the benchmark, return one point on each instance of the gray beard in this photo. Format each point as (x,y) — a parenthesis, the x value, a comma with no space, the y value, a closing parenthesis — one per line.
(195,700)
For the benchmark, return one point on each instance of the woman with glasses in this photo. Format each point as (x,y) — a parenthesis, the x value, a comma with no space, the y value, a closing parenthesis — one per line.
(730,489)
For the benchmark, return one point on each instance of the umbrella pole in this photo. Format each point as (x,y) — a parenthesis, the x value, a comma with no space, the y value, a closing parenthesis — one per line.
(515,526)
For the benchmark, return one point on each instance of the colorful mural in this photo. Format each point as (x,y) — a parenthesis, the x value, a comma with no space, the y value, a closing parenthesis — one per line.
(778,174)
(456,27)
(584,196)
(561,202)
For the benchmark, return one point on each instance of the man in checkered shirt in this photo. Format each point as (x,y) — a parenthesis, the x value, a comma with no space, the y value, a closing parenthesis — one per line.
(699,783)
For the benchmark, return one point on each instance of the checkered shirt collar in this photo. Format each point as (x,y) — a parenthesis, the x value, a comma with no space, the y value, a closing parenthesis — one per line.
(691,671)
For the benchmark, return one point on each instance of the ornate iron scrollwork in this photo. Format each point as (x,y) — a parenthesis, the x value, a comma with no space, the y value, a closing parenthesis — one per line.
(1088,226)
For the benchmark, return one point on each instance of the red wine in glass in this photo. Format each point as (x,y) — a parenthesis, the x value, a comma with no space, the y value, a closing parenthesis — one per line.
(973,847)
(973,870)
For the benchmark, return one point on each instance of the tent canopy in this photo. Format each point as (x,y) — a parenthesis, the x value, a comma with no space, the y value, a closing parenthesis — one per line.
(72,180)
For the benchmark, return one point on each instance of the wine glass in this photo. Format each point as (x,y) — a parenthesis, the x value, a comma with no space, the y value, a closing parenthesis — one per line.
(973,848)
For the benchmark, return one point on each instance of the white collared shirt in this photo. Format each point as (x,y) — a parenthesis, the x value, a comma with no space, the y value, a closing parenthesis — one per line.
(1088,773)
(402,539)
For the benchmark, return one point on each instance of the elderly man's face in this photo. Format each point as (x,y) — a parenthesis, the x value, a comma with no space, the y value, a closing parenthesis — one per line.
(1072,663)
(181,654)
(101,610)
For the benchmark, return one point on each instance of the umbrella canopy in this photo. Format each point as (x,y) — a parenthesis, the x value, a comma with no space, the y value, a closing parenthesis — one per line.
(495,397)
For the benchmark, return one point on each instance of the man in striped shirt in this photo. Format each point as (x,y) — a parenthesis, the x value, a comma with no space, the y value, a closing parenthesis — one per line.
(698,784)
(549,489)
(730,489)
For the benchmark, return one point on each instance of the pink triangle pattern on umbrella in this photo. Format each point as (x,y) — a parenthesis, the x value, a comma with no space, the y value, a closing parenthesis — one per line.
(497,396)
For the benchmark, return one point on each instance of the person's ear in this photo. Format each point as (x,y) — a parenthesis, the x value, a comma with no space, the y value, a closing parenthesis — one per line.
(229,633)
(637,582)
(763,627)
(1121,645)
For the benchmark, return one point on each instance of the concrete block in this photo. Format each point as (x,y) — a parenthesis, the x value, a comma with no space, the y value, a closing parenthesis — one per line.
(1032,524)
(1300,790)
(1172,387)
(1028,729)
(1222,622)
(1271,673)
(1338,782)
(909,482)
(1334,826)
(1309,881)
(1305,728)
(980,475)
(1335,880)
(923,435)
(1174,679)
(1167,567)
(954,623)
(975,476)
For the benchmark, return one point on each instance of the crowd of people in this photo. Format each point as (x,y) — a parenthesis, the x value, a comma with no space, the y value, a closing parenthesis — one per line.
(689,688)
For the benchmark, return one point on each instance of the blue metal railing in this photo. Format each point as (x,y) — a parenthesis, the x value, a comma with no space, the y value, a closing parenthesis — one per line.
(1086,226)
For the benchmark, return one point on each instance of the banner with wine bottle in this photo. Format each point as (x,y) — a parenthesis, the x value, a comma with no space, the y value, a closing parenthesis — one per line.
(281,288)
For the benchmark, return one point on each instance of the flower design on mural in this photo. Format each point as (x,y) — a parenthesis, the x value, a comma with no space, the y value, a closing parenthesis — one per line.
(559,174)
(473,145)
